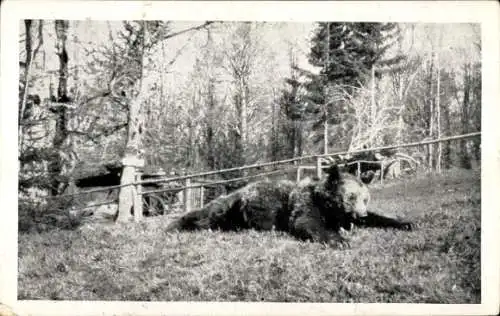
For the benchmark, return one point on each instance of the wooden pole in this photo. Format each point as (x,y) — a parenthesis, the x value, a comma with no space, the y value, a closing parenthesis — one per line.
(359,169)
(128,192)
(325,134)
(297,176)
(318,167)
(126,195)
(381,172)
(137,189)
(137,198)
(187,195)
(202,195)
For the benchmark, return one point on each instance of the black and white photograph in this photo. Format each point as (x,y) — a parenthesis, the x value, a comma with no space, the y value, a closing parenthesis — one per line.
(257,160)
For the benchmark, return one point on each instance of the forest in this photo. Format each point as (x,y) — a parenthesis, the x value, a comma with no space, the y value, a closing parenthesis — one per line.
(200,96)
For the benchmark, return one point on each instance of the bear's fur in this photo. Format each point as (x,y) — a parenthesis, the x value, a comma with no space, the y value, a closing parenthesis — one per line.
(309,210)
(259,205)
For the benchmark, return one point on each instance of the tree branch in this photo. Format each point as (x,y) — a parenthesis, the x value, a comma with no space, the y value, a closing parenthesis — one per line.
(105,133)
(101,94)
(194,28)
(178,53)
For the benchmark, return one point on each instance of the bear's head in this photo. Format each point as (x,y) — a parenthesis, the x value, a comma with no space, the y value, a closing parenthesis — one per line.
(351,195)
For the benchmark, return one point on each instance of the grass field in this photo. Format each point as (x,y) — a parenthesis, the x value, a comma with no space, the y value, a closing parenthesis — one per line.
(439,262)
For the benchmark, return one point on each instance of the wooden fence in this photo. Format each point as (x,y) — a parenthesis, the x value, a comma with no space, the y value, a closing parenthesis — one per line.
(188,183)
(358,168)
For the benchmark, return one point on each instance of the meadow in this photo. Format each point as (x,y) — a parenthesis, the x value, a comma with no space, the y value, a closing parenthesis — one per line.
(438,262)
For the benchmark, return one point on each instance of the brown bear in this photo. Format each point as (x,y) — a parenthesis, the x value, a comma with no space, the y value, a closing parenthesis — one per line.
(260,205)
(309,210)
(338,201)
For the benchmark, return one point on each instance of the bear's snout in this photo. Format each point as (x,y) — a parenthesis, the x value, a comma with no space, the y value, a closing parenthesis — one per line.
(361,210)
(363,214)
(356,215)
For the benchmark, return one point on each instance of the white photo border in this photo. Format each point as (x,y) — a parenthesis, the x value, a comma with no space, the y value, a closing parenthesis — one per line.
(484,12)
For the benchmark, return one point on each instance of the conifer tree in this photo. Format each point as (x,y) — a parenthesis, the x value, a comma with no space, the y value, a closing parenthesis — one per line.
(290,116)
(349,54)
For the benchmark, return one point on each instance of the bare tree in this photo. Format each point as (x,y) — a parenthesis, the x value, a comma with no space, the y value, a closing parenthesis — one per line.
(368,125)
(241,57)
(144,36)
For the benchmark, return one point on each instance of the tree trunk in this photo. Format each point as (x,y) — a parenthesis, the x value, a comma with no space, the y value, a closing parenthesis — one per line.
(327,90)
(132,160)
(431,116)
(438,114)
(61,133)
(24,86)
(447,145)
(24,81)
(210,148)
(211,159)
(477,110)
(191,151)
(373,102)
(238,135)
(244,119)
(299,138)
(126,196)
(464,155)
(290,132)
(241,62)
(275,131)
(133,155)
(27,67)
(401,99)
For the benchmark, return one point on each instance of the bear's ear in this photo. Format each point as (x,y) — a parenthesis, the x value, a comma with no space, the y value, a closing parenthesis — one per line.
(333,173)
